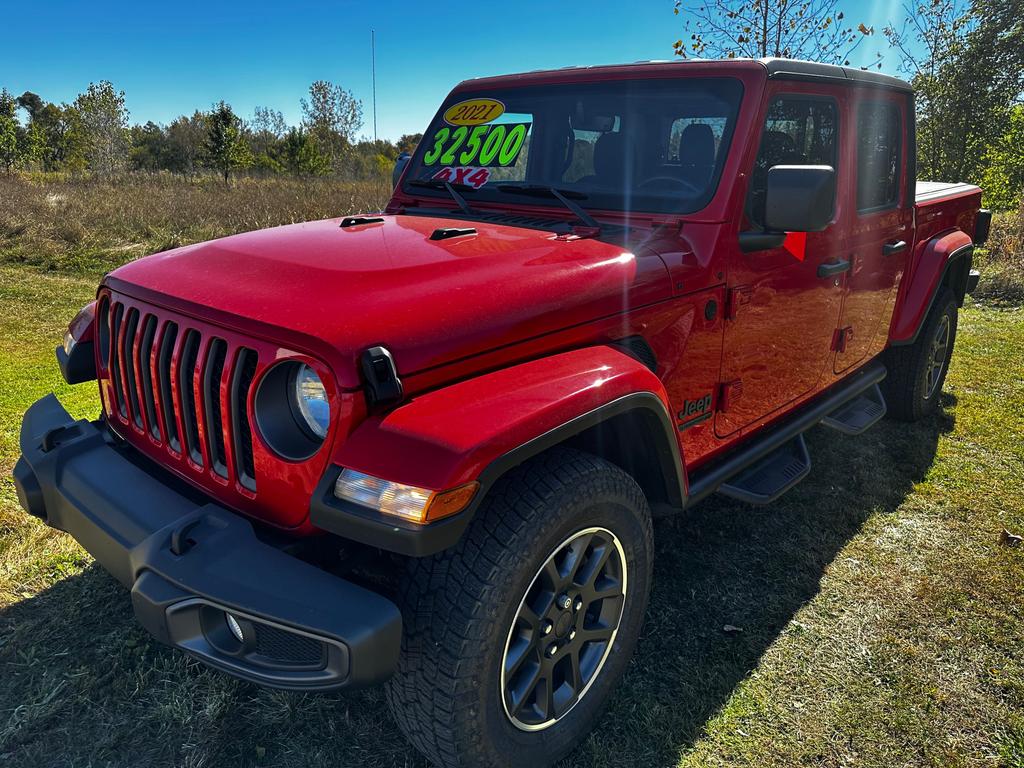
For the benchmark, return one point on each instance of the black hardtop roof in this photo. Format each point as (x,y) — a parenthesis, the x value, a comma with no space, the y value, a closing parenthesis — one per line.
(782,69)
(812,70)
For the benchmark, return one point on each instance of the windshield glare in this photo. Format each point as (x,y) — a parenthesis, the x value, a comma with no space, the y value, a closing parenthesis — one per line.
(643,145)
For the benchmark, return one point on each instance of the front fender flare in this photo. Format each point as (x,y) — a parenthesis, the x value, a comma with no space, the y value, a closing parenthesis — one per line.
(480,428)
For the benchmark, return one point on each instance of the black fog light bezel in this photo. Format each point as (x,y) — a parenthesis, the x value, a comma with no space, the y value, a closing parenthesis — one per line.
(278,420)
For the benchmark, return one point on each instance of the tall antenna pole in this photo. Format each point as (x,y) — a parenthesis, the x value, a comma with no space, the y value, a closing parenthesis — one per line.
(373,75)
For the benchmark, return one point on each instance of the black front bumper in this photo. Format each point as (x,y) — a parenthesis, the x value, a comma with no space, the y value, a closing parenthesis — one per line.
(189,562)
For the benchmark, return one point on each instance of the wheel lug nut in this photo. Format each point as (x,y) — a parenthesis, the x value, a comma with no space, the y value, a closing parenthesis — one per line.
(546,628)
(564,602)
(552,650)
(572,634)
(579,603)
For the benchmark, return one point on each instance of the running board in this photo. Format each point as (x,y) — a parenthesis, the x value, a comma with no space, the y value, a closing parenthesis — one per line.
(858,415)
(706,480)
(765,480)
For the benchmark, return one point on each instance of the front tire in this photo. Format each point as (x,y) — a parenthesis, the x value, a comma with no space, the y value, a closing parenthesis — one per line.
(515,638)
(916,373)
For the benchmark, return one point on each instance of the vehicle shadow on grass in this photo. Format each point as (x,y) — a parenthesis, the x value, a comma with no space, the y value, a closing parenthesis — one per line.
(81,684)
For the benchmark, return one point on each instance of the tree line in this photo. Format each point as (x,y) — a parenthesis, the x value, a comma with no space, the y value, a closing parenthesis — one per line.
(93,135)
(965,59)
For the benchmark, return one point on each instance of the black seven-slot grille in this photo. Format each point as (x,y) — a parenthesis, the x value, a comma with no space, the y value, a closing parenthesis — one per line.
(187,392)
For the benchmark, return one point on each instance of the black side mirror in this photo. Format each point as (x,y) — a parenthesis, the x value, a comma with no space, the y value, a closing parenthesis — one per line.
(400,162)
(800,198)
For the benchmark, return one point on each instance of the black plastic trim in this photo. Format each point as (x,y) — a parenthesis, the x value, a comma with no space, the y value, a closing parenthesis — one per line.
(707,480)
(797,448)
(973,277)
(80,365)
(815,72)
(833,268)
(751,242)
(79,479)
(447,233)
(381,376)
(982,226)
(356,221)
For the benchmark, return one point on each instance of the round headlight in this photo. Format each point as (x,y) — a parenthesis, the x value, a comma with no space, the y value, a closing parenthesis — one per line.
(311,400)
(292,411)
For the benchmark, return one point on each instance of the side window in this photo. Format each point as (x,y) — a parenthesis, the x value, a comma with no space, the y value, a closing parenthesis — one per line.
(879,133)
(799,130)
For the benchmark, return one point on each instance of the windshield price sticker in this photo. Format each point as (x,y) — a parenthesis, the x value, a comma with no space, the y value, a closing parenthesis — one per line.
(471,177)
(482,145)
(474,112)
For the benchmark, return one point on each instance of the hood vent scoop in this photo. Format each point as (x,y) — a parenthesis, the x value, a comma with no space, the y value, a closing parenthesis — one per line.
(446,233)
(355,221)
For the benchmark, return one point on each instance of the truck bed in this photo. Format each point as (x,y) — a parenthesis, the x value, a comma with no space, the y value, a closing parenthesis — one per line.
(931,191)
(940,206)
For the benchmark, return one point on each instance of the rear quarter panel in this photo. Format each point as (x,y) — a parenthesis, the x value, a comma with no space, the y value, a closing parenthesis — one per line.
(944,224)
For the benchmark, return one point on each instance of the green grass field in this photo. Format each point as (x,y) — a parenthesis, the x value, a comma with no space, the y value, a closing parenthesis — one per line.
(881,615)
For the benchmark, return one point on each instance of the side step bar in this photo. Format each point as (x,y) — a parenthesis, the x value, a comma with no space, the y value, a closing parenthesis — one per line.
(704,482)
(858,415)
(764,481)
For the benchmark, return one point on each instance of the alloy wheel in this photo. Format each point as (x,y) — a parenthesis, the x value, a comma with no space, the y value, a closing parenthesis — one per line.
(564,629)
(937,354)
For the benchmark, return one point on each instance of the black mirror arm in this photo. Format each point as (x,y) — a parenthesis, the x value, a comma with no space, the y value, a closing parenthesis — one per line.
(760,241)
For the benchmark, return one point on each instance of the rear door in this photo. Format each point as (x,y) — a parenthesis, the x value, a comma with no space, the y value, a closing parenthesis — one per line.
(880,234)
(781,316)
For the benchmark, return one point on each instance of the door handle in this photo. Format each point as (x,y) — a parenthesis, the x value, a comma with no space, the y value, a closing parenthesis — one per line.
(890,248)
(833,269)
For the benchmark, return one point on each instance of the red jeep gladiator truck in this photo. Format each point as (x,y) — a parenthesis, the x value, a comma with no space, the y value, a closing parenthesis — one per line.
(423,448)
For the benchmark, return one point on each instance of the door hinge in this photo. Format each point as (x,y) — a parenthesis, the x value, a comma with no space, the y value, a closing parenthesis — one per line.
(736,298)
(841,338)
(730,394)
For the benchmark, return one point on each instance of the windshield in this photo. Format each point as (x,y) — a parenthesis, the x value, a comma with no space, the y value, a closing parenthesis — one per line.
(645,145)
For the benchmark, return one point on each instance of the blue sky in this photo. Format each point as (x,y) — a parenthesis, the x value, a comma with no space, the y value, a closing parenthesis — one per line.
(174,57)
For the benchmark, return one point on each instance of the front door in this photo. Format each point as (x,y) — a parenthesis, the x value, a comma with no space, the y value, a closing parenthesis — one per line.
(781,313)
(880,235)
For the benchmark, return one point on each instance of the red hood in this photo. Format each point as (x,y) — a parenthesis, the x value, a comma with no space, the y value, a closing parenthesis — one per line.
(333,291)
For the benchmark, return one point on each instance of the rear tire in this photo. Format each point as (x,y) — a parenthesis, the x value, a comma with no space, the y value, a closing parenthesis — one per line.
(916,372)
(482,609)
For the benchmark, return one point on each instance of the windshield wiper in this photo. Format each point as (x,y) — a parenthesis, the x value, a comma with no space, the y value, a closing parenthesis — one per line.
(450,188)
(562,195)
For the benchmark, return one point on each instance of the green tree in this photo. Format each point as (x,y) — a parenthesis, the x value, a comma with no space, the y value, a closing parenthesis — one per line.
(1003,177)
(31,103)
(150,147)
(35,145)
(10,151)
(409,142)
(185,139)
(791,29)
(332,116)
(301,155)
(225,148)
(100,124)
(966,62)
(267,127)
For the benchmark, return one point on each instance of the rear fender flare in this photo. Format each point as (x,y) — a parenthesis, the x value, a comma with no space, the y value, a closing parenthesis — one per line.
(944,260)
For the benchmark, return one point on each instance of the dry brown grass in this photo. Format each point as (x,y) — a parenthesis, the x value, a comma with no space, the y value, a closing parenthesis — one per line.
(88,226)
(1001,261)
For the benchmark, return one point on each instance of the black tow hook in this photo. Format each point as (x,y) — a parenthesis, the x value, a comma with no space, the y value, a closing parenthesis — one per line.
(52,438)
(180,542)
